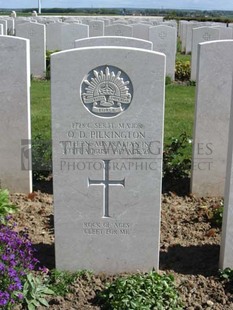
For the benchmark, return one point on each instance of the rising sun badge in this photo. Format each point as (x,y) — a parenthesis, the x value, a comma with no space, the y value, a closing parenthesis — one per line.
(106,91)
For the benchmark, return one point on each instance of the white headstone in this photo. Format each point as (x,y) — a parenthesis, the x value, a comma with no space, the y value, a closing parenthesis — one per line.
(114,41)
(10,26)
(72,32)
(106,22)
(118,30)
(3,22)
(96,28)
(15,157)
(225,33)
(1,29)
(107,107)
(141,31)
(201,34)
(164,39)
(54,36)
(120,21)
(226,249)
(36,34)
(183,35)
(189,28)
(171,23)
(213,101)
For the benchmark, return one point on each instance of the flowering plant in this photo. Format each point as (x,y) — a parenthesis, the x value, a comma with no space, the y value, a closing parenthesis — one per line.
(16,259)
(6,207)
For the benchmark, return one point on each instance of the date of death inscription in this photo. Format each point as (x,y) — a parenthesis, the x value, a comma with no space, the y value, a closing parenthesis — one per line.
(106,228)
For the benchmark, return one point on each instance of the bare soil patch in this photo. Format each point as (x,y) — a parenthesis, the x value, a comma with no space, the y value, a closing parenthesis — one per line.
(189,251)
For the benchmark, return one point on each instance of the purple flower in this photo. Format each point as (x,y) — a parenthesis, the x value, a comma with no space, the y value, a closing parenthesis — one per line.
(16,260)
(20,296)
(4,298)
(2,267)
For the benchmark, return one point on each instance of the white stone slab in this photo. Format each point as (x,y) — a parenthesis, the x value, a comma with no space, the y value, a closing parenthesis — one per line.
(118,30)
(107,120)
(120,21)
(114,41)
(171,23)
(96,28)
(15,158)
(213,101)
(226,248)
(183,37)
(35,32)
(189,28)
(164,39)
(3,22)
(11,26)
(225,33)
(54,36)
(72,32)
(201,34)
(141,31)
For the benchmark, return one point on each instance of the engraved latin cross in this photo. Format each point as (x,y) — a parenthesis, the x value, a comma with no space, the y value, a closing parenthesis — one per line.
(206,36)
(106,183)
(162,35)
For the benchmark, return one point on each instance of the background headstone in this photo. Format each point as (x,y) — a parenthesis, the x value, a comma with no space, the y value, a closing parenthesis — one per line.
(3,22)
(15,129)
(212,113)
(226,249)
(141,31)
(54,36)
(10,26)
(114,41)
(201,34)
(164,39)
(225,33)
(118,30)
(35,32)
(96,28)
(72,32)
(188,41)
(107,193)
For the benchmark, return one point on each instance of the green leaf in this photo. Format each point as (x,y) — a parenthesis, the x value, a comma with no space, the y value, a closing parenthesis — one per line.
(31,306)
(43,302)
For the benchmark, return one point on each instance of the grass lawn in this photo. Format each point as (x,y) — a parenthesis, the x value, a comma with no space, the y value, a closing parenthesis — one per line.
(40,109)
(183,57)
(179,110)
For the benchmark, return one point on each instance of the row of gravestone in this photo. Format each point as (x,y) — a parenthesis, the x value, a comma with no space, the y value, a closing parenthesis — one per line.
(107,124)
(61,36)
(185,32)
(193,33)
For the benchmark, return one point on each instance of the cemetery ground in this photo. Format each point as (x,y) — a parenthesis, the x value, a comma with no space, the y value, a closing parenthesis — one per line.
(190,232)
(189,251)
(190,226)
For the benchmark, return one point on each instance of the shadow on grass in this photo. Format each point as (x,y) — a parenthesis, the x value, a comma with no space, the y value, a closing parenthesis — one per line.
(193,260)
